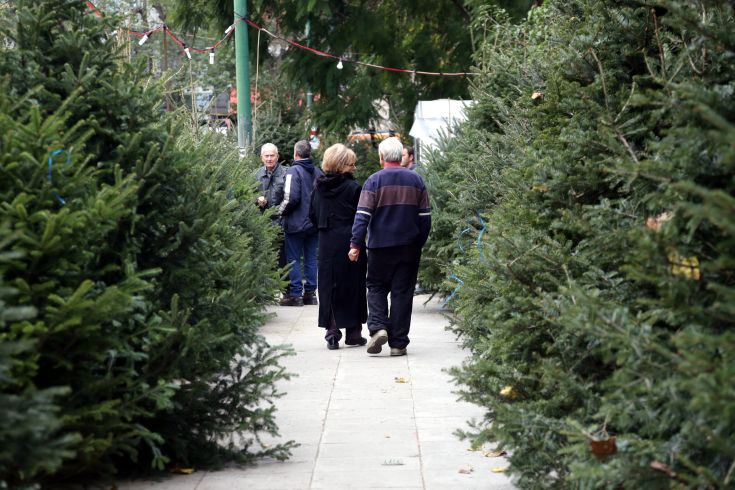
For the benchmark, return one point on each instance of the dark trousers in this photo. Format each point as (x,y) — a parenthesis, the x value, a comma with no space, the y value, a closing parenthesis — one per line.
(282,253)
(353,334)
(393,271)
(302,245)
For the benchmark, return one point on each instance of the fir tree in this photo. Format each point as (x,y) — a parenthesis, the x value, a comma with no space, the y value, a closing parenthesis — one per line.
(140,254)
(597,301)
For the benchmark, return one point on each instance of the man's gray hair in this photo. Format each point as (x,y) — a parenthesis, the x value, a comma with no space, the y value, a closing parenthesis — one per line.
(391,149)
(302,149)
(268,146)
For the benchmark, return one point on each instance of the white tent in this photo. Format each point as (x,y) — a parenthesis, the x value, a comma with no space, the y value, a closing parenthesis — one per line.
(433,117)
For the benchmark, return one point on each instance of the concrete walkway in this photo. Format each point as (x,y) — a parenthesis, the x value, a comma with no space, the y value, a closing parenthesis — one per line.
(364,421)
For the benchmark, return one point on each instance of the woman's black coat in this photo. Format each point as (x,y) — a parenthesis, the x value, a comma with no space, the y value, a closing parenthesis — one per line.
(341,282)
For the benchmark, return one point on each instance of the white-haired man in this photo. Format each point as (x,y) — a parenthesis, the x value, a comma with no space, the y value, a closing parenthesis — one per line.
(394,207)
(271,177)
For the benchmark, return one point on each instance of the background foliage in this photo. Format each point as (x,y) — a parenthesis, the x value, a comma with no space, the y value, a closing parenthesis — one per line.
(420,34)
(134,268)
(596,178)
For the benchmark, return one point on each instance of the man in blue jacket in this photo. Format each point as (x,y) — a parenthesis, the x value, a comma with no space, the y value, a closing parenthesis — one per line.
(301,236)
(394,207)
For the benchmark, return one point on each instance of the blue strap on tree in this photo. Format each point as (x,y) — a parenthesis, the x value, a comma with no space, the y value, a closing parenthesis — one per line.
(459,240)
(51,167)
(456,290)
(479,237)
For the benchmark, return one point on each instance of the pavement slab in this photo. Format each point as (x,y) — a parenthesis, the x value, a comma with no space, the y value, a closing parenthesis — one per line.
(363,421)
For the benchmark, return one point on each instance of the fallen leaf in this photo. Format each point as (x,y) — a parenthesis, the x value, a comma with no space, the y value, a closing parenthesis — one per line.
(495,454)
(509,392)
(467,470)
(499,469)
(656,223)
(400,380)
(180,470)
(659,466)
(603,448)
(684,266)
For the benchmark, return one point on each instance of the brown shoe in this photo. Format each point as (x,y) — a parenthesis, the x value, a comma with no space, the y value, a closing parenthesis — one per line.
(292,301)
(310,298)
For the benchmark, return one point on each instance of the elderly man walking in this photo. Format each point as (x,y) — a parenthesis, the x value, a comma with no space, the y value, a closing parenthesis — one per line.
(301,235)
(394,208)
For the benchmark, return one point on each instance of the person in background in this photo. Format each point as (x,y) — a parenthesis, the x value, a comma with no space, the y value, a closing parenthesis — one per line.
(342,302)
(394,208)
(300,235)
(407,158)
(271,177)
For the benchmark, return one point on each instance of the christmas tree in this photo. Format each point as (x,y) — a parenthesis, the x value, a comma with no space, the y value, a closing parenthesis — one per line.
(136,268)
(597,297)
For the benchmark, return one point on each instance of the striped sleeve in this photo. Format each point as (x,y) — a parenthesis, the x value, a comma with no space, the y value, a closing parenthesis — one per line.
(365,210)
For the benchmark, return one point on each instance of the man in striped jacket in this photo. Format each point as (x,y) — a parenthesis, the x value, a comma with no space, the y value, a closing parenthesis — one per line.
(395,215)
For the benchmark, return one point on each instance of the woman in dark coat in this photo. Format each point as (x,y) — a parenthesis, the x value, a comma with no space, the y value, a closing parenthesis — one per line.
(341,283)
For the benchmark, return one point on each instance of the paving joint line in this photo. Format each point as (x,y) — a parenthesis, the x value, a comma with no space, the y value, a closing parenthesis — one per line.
(201,479)
(416,426)
(324,423)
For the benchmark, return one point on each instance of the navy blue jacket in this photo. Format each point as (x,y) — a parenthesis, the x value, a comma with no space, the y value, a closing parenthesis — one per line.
(297,191)
(394,206)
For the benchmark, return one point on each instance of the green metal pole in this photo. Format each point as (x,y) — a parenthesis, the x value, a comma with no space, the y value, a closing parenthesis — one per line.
(242,69)
(309,93)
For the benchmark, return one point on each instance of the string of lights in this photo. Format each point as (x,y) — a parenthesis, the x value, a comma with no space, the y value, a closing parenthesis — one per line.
(145,35)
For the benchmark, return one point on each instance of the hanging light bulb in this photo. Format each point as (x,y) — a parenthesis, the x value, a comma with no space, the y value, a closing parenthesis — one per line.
(143,39)
(340,65)
(211,57)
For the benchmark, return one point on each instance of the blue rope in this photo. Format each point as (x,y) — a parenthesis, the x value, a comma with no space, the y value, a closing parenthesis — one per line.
(456,290)
(479,237)
(459,240)
(51,167)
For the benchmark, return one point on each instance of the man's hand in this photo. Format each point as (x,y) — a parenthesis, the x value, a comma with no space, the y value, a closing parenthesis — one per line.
(353,254)
(262,201)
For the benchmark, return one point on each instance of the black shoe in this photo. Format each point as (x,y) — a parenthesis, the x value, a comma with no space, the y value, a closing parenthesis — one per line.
(332,343)
(310,298)
(292,301)
(360,341)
